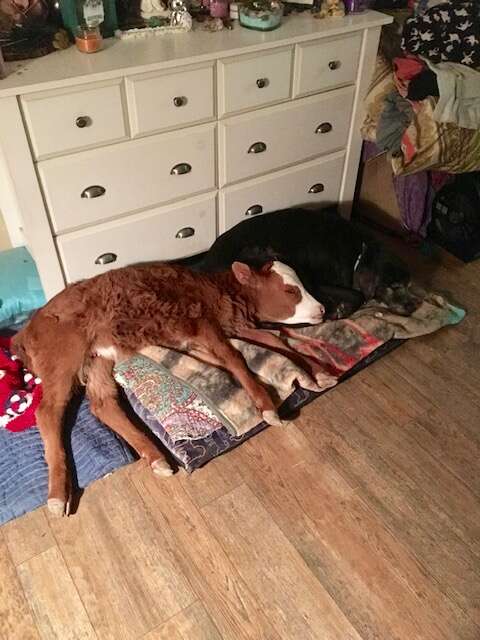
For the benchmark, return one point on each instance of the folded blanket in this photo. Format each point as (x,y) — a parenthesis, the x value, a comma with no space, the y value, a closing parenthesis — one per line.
(337,346)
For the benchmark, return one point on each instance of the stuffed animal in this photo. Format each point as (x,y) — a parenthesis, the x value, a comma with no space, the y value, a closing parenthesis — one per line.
(331,9)
(20,391)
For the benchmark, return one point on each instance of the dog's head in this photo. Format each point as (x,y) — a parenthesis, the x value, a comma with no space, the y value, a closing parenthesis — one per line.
(377,270)
(278,294)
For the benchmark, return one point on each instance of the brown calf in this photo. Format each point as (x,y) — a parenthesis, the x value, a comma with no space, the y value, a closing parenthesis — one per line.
(85,329)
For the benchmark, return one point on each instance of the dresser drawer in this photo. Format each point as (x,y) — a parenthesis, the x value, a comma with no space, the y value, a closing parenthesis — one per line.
(312,183)
(165,233)
(165,100)
(279,136)
(84,116)
(96,185)
(326,64)
(254,81)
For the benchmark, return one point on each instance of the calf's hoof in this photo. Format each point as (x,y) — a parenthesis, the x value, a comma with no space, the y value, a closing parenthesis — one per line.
(271,417)
(309,384)
(161,468)
(325,380)
(58,507)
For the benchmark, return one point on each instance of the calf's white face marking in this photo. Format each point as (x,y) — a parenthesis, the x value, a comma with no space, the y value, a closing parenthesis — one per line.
(308,310)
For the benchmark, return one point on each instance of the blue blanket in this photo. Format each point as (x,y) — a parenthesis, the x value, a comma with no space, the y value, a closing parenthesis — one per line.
(96,451)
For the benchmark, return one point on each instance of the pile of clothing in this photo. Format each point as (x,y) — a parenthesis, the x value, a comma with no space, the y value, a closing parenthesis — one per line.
(423,106)
(441,58)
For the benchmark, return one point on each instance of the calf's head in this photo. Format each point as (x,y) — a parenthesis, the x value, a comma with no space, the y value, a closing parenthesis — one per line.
(278,294)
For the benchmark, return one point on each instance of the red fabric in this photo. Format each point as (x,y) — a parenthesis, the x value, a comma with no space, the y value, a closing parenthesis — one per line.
(20,391)
(404,69)
(440,179)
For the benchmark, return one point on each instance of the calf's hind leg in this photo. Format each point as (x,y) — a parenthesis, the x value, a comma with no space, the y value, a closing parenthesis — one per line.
(50,415)
(103,395)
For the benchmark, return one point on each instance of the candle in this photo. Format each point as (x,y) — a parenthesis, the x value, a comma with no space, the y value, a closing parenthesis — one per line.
(88,39)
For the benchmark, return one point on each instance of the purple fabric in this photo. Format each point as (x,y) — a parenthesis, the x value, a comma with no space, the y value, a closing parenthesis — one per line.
(414,194)
(414,197)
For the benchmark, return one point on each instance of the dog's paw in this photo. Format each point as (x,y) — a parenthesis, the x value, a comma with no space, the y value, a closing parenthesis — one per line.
(161,468)
(58,507)
(272,418)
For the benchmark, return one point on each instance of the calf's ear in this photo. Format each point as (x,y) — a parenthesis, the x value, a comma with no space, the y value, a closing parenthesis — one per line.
(242,272)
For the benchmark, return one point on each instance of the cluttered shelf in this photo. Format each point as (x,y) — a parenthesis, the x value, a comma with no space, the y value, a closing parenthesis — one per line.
(152,53)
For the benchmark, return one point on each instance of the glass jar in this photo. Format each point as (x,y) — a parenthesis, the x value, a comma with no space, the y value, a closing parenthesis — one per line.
(262,15)
(88,39)
(356,6)
(219,8)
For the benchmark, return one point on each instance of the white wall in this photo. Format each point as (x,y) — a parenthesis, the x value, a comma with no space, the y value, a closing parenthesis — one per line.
(11,233)
(5,242)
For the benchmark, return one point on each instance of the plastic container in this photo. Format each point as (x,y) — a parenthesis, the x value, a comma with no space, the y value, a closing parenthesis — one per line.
(262,15)
(88,39)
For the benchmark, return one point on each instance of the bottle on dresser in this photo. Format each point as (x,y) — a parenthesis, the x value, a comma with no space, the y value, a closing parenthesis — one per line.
(101,14)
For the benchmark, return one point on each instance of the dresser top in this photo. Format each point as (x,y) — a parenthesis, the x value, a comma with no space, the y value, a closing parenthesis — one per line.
(70,67)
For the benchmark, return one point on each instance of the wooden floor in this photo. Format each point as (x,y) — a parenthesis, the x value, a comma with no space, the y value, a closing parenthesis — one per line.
(358,521)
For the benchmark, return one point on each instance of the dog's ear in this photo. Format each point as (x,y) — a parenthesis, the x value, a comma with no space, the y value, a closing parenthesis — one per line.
(366,277)
(366,281)
(242,272)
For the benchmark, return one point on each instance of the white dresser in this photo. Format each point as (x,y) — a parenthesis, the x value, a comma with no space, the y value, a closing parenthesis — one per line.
(151,148)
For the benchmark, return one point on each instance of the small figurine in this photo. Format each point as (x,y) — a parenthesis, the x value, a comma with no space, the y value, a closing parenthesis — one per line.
(331,9)
(153,9)
(180,16)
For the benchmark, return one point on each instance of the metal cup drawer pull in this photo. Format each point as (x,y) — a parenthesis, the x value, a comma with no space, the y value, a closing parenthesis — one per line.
(334,64)
(325,127)
(83,121)
(262,83)
(257,147)
(186,232)
(106,258)
(254,210)
(181,169)
(180,101)
(316,188)
(95,191)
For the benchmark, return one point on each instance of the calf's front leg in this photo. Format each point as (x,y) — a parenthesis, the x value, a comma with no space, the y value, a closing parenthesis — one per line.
(213,347)
(273,342)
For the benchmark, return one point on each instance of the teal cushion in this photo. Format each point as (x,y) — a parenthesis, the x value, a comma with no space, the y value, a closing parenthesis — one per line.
(20,288)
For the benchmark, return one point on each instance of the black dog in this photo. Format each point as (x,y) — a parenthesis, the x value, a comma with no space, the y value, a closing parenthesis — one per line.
(337,262)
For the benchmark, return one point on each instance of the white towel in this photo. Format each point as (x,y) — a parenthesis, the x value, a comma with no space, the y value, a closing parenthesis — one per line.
(459,88)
